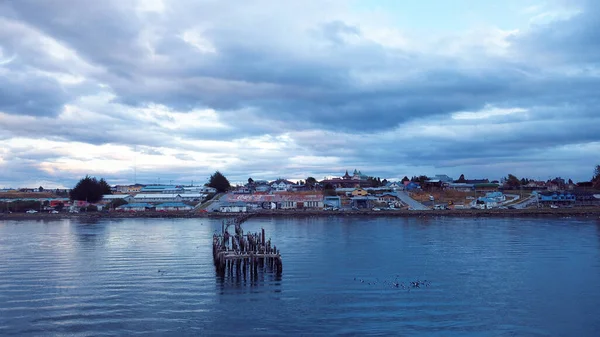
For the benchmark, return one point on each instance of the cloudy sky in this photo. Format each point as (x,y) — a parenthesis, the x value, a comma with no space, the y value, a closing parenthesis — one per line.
(172,90)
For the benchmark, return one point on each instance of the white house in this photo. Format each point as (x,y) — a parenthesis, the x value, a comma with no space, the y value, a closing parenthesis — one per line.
(155,197)
(111,197)
(192,196)
(395,186)
(152,197)
(135,207)
(233,208)
(281,185)
(173,206)
(198,190)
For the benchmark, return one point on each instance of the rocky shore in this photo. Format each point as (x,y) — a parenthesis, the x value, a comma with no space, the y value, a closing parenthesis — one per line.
(586,212)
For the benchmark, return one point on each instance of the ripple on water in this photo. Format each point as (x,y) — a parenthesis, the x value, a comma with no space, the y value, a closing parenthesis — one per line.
(488,277)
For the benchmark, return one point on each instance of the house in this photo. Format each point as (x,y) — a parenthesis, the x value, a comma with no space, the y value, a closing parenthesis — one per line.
(363,202)
(111,197)
(498,196)
(387,197)
(411,185)
(160,197)
(127,188)
(391,199)
(198,190)
(359,192)
(281,185)
(166,189)
(486,187)
(173,206)
(157,197)
(394,185)
(463,187)
(477,181)
(442,178)
(233,207)
(282,200)
(242,190)
(485,203)
(431,183)
(357,179)
(556,197)
(135,207)
(332,201)
(193,197)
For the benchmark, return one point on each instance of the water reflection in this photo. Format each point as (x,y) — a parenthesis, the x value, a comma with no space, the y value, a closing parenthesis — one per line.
(91,232)
(488,277)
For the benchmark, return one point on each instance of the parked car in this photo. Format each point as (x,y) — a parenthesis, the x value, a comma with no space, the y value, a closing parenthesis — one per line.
(54,212)
(31,211)
(376,209)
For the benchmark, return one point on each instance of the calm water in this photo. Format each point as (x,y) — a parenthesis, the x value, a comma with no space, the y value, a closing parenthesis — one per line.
(489,277)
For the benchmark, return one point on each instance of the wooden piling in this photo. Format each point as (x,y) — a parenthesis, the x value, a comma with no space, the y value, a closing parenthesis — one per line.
(245,253)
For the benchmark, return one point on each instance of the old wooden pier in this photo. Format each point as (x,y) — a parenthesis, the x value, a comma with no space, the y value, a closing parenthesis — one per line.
(241,253)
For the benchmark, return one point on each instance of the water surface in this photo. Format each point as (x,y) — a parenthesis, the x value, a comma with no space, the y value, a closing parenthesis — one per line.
(489,277)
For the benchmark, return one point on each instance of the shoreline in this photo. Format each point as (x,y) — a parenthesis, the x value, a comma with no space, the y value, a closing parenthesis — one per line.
(584,212)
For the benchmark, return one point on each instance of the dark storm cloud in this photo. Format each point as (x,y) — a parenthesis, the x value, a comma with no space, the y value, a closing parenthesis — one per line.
(576,39)
(272,74)
(34,95)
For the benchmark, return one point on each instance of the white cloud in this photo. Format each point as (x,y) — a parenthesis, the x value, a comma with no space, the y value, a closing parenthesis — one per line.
(488,111)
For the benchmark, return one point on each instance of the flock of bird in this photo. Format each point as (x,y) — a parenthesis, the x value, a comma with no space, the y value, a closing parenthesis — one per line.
(396,284)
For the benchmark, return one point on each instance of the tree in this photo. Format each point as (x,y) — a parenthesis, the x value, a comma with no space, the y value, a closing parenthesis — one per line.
(250,181)
(461,179)
(116,203)
(596,178)
(384,182)
(570,182)
(311,182)
(405,179)
(422,179)
(41,189)
(329,190)
(90,189)
(512,181)
(218,181)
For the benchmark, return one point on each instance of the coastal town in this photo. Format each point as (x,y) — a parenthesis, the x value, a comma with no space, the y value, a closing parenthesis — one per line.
(351,191)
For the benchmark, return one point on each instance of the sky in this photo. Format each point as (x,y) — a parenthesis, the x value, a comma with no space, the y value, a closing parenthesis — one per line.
(169,91)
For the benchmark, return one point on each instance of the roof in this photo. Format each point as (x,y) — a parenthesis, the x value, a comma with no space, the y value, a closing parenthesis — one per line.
(332,197)
(486,185)
(279,181)
(192,195)
(364,198)
(173,204)
(461,185)
(161,186)
(115,196)
(137,205)
(272,197)
(391,194)
(155,196)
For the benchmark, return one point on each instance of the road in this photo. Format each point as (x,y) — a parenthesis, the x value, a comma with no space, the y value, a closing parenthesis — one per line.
(210,205)
(526,202)
(412,203)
